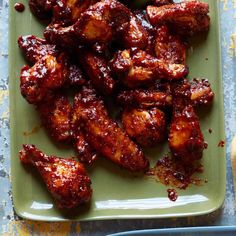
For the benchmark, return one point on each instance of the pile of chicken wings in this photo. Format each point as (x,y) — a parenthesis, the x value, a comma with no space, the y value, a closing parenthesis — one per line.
(133,56)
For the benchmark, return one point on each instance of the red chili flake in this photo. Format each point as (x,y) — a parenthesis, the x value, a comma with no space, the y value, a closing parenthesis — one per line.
(172,194)
(19,7)
(210,130)
(221,143)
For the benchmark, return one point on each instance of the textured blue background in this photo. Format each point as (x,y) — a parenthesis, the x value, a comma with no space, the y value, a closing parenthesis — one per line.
(9,223)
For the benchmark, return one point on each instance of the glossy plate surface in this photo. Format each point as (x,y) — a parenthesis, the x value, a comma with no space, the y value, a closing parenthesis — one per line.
(117,193)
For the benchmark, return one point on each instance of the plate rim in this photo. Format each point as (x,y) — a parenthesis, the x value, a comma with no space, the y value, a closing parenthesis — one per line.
(18,209)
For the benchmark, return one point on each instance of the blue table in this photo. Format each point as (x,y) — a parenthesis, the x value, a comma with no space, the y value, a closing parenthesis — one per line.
(11,225)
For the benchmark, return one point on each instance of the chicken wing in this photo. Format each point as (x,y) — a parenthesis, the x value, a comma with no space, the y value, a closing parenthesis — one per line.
(66,179)
(51,69)
(42,8)
(145,98)
(38,81)
(146,127)
(185,18)
(100,23)
(65,12)
(201,92)
(104,135)
(55,114)
(34,48)
(139,68)
(98,70)
(185,137)
(168,47)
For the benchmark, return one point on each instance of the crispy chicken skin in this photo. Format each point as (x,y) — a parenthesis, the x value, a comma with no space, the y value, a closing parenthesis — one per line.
(102,22)
(146,127)
(201,92)
(185,18)
(185,137)
(55,114)
(144,98)
(168,47)
(139,68)
(66,179)
(104,135)
(98,70)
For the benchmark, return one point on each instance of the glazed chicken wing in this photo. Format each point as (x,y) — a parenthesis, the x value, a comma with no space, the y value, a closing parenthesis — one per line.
(38,81)
(168,47)
(65,12)
(98,71)
(185,136)
(201,92)
(42,8)
(51,69)
(185,18)
(139,68)
(55,114)
(146,127)
(144,98)
(66,179)
(104,135)
(34,48)
(100,23)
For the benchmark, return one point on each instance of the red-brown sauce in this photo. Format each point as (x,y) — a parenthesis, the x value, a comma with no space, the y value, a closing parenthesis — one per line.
(205,145)
(172,194)
(33,131)
(176,173)
(221,143)
(20,7)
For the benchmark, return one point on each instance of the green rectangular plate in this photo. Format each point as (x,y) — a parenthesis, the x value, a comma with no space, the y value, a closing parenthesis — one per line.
(117,193)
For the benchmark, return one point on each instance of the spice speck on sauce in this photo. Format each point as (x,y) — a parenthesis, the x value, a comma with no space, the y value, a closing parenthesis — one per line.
(210,130)
(20,7)
(221,143)
(172,194)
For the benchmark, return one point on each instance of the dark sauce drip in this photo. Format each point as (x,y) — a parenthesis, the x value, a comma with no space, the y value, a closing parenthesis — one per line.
(176,173)
(172,194)
(20,7)
(205,145)
(221,143)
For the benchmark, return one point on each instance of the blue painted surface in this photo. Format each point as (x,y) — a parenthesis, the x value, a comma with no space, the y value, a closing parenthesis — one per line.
(224,217)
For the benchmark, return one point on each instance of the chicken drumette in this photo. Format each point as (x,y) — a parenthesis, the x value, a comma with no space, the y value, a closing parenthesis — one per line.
(185,136)
(65,12)
(137,68)
(146,127)
(185,18)
(66,179)
(102,22)
(51,70)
